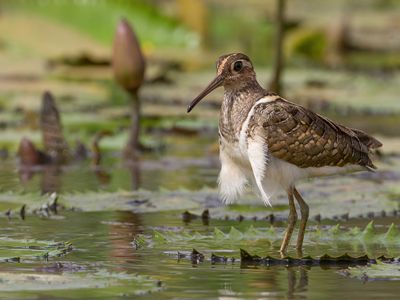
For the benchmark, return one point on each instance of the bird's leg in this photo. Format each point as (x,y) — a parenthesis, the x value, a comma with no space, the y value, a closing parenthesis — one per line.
(304,217)
(291,221)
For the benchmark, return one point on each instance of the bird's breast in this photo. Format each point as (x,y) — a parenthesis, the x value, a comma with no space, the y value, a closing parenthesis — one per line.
(235,152)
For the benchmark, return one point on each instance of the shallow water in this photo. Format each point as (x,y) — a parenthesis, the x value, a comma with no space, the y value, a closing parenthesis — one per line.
(104,241)
(182,157)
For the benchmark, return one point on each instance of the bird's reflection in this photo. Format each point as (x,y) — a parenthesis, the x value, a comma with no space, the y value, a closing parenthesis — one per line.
(133,167)
(102,176)
(294,277)
(50,177)
(297,281)
(122,232)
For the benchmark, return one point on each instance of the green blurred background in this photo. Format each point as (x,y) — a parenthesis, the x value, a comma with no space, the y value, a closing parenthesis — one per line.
(197,31)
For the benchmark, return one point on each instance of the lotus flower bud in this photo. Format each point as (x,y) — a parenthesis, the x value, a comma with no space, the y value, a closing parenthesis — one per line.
(128,61)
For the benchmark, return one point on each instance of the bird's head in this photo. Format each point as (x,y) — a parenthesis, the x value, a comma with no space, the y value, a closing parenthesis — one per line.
(233,71)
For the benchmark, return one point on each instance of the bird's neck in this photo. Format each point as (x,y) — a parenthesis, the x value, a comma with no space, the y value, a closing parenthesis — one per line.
(237,103)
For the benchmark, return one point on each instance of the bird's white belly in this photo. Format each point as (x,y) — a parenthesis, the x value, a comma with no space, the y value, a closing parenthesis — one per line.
(236,173)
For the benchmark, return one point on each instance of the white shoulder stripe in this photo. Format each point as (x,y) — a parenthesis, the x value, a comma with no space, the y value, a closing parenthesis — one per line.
(245,125)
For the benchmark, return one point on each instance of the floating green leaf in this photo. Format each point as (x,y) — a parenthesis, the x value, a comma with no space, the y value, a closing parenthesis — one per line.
(15,250)
(345,259)
(325,260)
(352,236)
(378,271)
(101,283)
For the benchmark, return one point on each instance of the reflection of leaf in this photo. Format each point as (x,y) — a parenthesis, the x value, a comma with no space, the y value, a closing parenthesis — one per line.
(378,271)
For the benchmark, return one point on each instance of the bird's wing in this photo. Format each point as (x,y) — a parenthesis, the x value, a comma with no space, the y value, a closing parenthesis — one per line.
(306,139)
(369,141)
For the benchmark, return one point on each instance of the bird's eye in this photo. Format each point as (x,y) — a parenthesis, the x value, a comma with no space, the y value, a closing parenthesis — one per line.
(237,66)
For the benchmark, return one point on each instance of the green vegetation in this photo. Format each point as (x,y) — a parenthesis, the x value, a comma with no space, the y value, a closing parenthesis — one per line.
(246,238)
(98,19)
(14,250)
(307,43)
(82,284)
(379,271)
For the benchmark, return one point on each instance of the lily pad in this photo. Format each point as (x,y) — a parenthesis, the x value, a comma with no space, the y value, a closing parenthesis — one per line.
(344,259)
(247,259)
(253,236)
(100,283)
(15,250)
(378,271)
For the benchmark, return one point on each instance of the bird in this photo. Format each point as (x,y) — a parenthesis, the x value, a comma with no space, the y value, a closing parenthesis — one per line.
(270,143)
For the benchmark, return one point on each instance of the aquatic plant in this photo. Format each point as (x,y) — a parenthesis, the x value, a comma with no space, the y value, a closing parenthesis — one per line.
(353,236)
(129,67)
(54,142)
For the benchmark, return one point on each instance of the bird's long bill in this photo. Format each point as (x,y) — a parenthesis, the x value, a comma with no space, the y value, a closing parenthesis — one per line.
(217,82)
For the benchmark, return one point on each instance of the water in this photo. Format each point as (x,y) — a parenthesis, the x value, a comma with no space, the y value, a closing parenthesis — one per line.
(103,240)
(181,157)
